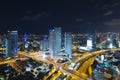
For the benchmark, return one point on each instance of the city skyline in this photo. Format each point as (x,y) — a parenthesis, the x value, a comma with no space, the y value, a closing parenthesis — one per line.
(60,40)
(74,56)
(73,16)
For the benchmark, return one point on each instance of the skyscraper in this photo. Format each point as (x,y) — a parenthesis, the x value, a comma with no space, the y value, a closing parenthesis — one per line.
(55,41)
(91,42)
(6,44)
(68,44)
(25,38)
(11,43)
(58,39)
(25,41)
(51,41)
(44,44)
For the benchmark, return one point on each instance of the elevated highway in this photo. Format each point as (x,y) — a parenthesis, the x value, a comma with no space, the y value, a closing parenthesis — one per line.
(82,72)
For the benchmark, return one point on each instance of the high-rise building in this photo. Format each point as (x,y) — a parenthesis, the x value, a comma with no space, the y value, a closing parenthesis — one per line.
(68,44)
(6,44)
(25,41)
(51,41)
(25,38)
(55,41)
(91,43)
(11,43)
(58,39)
(44,44)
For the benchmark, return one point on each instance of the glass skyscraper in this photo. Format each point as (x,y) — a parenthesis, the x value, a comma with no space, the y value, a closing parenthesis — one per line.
(55,41)
(25,40)
(44,44)
(68,44)
(91,42)
(58,39)
(11,43)
(6,45)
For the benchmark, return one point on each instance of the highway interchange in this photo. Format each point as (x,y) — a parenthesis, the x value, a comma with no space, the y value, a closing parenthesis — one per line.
(85,62)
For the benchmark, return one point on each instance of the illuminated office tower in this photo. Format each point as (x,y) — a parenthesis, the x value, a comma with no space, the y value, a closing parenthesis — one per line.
(25,41)
(11,43)
(44,44)
(55,41)
(58,39)
(91,42)
(68,44)
(6,45)
(52,41)
(25,38)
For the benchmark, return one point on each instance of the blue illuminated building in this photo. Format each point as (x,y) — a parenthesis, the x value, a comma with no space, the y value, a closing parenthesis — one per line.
(52,41)
(68,44)
(25,38)
(11,43)
(58,39)
(6,45)
(91,42)
(55,41)
(44,44)
(25,41)
(14,35)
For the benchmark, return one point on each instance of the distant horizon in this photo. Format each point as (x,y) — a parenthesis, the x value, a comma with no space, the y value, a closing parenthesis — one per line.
(47,33)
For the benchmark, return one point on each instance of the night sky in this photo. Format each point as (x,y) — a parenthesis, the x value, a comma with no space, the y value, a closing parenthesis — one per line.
(38,16)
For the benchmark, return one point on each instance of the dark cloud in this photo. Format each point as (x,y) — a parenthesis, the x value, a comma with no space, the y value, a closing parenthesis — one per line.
(115,4)
(28,12)
(79,20)
(113,22)
(108,13)
(106,6)
(34,17)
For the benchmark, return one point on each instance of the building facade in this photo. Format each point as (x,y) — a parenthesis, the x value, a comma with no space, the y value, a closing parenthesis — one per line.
(44,44)
(11,43)
(55,41)
(91,42)
(68,44)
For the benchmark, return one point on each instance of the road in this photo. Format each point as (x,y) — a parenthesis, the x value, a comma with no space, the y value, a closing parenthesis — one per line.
(13,64)
(84,63)
(83,67)
(39,57)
